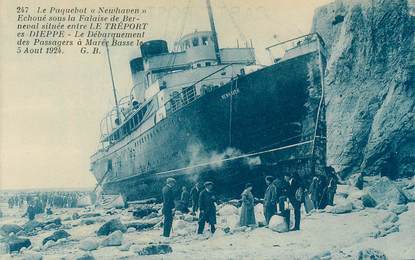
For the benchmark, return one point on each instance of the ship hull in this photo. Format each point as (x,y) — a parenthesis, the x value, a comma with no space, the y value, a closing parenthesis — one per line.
(260,124)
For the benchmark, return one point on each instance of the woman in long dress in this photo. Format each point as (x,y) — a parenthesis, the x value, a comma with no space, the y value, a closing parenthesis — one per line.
(247,217)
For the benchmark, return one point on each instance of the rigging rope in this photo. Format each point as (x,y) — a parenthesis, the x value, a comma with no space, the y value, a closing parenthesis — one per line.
(220,160)
(179,36)
(241,34)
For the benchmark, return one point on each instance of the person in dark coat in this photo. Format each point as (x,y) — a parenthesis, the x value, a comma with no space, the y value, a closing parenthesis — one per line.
(247,217)
(322,192)
(295,194)
(313,190)
(184,200)
(168,206)
(270,199)
(30,212)
(194,194)
(207,208)
(332,185)
(281,196)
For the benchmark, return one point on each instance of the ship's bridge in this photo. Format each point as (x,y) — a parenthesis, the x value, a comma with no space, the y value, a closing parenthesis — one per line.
(199,48)
(195,50)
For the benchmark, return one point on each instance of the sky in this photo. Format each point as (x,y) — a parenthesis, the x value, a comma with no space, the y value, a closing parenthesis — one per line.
(51,106)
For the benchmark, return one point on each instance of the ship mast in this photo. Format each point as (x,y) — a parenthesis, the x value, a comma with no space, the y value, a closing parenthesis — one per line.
(113,86)
(214,35)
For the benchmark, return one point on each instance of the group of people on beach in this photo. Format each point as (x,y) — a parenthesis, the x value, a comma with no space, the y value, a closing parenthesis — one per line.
(43,202)
(281,195)
(45,199)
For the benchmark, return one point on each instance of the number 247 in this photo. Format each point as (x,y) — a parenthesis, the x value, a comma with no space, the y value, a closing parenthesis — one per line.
(22,9)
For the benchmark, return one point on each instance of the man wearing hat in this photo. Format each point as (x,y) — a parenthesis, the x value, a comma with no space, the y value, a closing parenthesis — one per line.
(207,208)
(295,194)
(168,206)
(270,199)
(194,194)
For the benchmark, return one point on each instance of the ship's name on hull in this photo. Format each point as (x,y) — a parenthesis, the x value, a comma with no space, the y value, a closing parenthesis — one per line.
(230,93)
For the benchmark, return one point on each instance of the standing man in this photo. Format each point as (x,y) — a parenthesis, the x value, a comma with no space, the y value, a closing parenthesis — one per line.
(184,198)
(332,185)
(168,206)
(270,199)
(207,208)
(194,194)
(323,185)
(30,211)
(314,192)
(295,195)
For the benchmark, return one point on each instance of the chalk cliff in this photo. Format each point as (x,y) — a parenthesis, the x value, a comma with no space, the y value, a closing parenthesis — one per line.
(370,85)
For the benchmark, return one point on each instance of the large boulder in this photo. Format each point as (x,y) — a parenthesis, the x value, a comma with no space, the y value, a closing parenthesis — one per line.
(142,225)
(49,244)
(131,229)
(155,250)
(368,201)
(385,191)
(371,254)
(10,228)
(50,226)
(111,226)
(231,222)
(89,221)
(278,224)
(89,244)
(228,210)
(90,215)
(17,243)
(398,209)
(144,211)
(409,194)
(113,239)
(59,234)
(386,229)
(358,205)
(31,225)
(390,218)
(354,193)
(56,221)
(342,208)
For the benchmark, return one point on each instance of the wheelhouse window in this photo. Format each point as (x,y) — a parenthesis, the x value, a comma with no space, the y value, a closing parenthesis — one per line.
(195,42)
(186,44)
(205,40)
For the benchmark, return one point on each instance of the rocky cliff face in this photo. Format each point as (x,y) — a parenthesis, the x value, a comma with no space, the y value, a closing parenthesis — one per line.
(370,85)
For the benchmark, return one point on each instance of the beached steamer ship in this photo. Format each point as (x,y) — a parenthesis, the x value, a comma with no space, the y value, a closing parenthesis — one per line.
(208,113)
